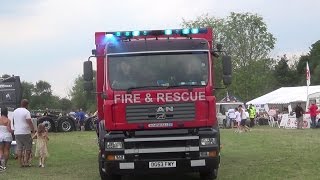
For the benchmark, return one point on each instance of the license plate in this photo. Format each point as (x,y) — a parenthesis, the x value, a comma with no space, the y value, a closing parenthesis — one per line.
(162,164)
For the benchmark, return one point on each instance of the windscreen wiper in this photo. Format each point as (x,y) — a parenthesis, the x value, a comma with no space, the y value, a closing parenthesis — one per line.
(144,87)
(189,86)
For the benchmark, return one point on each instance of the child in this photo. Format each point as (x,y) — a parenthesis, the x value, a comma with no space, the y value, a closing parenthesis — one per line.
(41,144)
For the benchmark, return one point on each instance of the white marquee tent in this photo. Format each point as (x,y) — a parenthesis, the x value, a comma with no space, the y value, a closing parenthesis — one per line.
(285,95)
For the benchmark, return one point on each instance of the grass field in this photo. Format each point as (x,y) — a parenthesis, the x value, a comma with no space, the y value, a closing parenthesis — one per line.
(264,153)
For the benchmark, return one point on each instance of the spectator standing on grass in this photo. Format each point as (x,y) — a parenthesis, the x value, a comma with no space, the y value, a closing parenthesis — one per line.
(231,117)
(299,115)
(23,128)
(81,116)
(5,138)
(313,114)
(41,146)
(244,117)
(252,114)
(238,120)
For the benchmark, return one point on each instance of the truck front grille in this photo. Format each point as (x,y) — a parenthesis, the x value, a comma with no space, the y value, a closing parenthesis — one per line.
(137,113)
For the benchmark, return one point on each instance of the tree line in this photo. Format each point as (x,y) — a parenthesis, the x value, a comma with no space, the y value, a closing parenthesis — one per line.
(244,36)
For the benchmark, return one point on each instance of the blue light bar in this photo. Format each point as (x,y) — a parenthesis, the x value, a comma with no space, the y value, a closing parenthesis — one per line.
(194,30)
(168,32)
(156,33)
(136,33)
(185,31)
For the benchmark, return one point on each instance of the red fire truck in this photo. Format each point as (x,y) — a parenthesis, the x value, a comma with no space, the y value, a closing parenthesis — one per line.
(155,101)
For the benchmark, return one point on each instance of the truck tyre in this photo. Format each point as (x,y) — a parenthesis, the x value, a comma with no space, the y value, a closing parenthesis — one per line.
(48,123)
(103,174)
(89,125)
(65,125)
(209,175)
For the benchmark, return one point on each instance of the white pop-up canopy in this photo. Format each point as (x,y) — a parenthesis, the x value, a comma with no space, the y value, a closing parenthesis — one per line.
(286,95)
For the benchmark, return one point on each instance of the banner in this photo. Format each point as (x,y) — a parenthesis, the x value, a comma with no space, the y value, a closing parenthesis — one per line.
(290,122)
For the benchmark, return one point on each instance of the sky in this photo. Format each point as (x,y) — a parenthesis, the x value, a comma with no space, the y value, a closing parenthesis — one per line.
(49,39)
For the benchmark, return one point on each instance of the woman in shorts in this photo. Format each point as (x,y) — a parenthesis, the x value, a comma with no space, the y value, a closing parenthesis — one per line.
(5,138)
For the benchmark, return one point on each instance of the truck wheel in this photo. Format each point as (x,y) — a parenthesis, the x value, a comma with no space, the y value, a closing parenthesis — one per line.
(209,175)
(65,125)
(48,123)
(103,174)
(90,125)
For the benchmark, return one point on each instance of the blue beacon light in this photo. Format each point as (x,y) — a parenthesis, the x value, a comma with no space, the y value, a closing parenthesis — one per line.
(185,31)
(135,33)
(194,30)
(168,32)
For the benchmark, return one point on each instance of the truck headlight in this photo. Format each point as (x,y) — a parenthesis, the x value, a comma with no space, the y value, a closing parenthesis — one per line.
(114,145)
(208,141)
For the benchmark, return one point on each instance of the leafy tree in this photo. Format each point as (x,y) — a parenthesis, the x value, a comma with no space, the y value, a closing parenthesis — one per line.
(27,90)
(246,38)
(43,88)
(65,104)
(284,74)
(253,80)
(313,58)
(42,96)
(82,99)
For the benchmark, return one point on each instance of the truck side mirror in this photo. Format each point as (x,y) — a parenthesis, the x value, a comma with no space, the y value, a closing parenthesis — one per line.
(87,71)
(88,85)
(227,70)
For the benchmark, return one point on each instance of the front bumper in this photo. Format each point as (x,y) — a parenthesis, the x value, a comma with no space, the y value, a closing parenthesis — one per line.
(142,166)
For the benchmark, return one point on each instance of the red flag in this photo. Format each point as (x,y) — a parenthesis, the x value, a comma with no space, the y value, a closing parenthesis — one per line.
(308,76)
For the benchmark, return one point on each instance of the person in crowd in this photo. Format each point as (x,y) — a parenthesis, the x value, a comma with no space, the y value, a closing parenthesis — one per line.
(252,114)
(299,115)
(23,128)
(244,117)
(46,112)
(313,114)
(238,120)
(5,138)
(231,117)
(41,145)
(81,117)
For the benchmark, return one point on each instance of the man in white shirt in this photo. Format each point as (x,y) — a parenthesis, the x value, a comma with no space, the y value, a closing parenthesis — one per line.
(231,117)
(23,128)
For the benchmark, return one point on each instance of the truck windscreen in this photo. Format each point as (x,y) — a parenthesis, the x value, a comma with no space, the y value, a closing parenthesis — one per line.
(158,70)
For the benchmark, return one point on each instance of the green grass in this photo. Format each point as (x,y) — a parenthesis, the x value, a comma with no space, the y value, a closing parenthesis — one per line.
(264,153)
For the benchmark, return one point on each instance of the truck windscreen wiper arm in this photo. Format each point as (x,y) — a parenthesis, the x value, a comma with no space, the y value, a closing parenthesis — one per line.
(143,87)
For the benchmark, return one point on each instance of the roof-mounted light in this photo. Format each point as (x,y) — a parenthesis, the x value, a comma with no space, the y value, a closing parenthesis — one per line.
(168,32)
(185,31)
(109,35)
(118,34)
(136,33)
(156,33)
(128,33)
(194,30)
